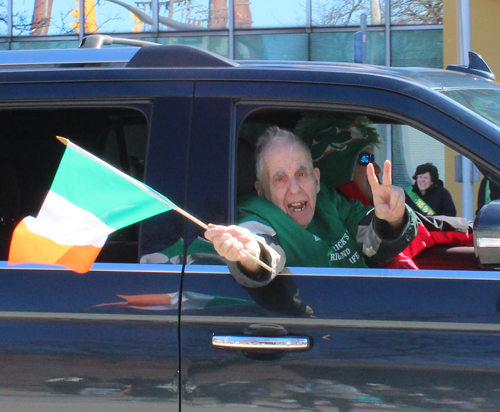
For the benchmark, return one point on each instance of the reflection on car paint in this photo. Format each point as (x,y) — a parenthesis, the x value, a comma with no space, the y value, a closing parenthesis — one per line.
(166,301)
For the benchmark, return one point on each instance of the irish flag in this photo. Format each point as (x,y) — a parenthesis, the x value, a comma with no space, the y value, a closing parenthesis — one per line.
(88,200)
(167,301)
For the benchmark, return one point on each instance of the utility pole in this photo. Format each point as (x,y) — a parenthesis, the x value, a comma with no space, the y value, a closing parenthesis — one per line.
(464,46)
(376,12)
(360,41)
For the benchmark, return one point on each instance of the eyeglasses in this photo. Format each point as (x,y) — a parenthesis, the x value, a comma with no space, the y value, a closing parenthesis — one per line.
(365,158)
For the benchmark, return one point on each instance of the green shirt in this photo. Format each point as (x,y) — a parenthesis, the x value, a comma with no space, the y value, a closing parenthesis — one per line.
(328,241)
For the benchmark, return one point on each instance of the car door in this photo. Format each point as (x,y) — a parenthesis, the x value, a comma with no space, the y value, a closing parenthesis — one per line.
(375,338)
(106,339)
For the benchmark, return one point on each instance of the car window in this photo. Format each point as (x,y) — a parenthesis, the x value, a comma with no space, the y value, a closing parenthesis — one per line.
(408,148)
(483,101)
(30,156)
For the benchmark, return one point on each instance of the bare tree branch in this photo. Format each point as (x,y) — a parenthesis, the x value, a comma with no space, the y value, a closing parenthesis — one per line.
(417,11)
(340,12)
(347,12)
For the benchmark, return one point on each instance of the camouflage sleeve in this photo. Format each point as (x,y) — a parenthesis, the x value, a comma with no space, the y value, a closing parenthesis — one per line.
(271,253)
(375,242)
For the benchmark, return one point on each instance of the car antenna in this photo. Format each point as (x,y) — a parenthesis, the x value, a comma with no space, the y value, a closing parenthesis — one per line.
(477,66)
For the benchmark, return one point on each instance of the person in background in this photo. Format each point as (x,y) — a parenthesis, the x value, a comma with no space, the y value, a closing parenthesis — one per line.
(428,195)
(342,147)
(488,191)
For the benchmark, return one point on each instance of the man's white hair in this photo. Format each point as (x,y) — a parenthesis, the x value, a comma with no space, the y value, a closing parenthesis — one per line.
(273,135)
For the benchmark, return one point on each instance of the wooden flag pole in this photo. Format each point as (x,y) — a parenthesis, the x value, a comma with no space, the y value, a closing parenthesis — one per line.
(182,212)
(204,226)
(63,140)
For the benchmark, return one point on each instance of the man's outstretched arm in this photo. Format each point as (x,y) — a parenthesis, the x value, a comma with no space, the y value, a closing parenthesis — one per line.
(229,241)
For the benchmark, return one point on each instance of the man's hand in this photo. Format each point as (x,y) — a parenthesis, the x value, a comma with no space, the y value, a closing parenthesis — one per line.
(389,200)
(229,241)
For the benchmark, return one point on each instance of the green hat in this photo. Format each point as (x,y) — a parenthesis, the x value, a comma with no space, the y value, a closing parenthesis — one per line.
(335,142)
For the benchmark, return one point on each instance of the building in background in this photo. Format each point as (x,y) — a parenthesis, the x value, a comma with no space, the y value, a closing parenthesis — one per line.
(400,33)
(484,40)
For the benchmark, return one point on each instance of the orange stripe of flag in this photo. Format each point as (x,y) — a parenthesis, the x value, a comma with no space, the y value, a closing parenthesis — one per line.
(28,247)
(163,299)
(142,300)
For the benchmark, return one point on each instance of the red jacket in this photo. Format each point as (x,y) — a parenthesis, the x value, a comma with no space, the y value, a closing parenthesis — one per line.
(431,231)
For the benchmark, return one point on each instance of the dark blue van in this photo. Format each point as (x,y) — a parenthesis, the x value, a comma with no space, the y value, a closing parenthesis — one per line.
(145,332)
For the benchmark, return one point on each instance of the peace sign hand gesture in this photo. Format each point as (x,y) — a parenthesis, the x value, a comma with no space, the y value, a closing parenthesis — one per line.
(388,200)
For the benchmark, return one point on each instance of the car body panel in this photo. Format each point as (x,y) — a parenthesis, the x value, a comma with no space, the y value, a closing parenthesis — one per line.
(100,340)
(71,338)
(374,333)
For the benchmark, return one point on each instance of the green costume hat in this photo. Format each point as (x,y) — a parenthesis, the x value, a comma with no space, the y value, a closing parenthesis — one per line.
(335,142)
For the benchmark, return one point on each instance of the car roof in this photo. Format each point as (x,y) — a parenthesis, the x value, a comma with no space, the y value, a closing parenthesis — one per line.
(429,77)
(198,64)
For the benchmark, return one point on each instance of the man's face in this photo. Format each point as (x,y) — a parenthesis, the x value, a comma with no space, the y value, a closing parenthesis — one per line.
(360,177)
(290,183)
(424,181)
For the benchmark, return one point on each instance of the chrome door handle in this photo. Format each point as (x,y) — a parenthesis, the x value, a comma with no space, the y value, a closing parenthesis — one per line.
(258,342)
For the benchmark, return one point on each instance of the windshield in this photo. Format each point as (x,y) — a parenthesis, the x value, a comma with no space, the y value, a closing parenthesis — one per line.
(485,102)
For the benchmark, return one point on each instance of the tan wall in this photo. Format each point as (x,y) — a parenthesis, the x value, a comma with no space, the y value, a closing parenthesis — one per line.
(485,33)
(485,40)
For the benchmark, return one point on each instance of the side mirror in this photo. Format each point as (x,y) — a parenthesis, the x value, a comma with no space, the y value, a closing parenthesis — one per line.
(487,235)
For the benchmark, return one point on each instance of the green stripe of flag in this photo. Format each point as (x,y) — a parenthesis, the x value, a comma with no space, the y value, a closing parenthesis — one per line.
(104,191)
(219,301)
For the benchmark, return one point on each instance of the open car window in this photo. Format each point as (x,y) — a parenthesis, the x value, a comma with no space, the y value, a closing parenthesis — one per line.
(440,245)
(445,246)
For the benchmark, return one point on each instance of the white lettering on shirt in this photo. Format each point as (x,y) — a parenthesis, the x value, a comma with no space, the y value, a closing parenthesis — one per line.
(342,242)
(354,258)
(340,255)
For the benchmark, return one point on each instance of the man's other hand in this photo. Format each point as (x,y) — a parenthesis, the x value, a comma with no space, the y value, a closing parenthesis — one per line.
(388,200)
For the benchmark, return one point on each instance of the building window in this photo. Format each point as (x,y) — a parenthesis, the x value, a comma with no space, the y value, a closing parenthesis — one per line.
(256,29)
(417,48)
(339,47)
(347,13)
(416,11)
(272,47)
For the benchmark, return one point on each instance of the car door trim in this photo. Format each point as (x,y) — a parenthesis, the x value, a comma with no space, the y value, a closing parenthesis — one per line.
(346,323)
(260,342)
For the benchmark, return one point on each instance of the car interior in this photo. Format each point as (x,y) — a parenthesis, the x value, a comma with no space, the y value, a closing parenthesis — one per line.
(440,256)
(30,157)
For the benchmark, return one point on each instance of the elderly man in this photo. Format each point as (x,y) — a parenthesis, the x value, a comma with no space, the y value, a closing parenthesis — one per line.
(298,222)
